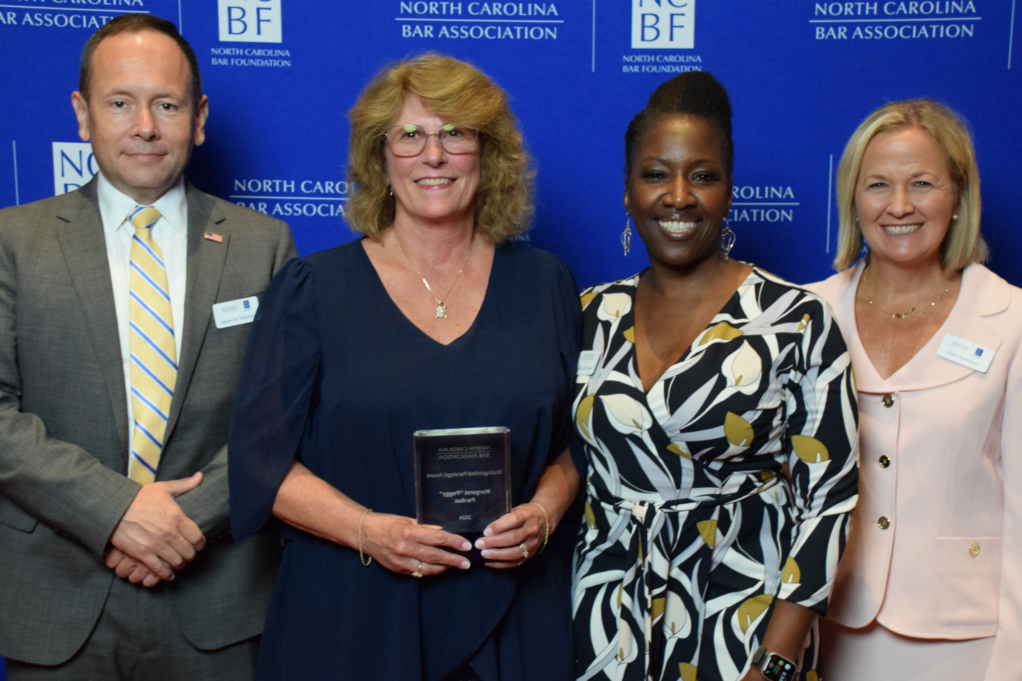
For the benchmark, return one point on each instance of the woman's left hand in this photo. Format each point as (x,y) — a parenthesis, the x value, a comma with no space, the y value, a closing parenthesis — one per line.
(504,537)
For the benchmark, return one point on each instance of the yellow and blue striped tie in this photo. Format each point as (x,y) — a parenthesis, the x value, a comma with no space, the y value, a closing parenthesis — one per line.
(153,353)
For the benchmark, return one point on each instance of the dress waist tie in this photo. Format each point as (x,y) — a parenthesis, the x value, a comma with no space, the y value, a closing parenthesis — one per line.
(643,593)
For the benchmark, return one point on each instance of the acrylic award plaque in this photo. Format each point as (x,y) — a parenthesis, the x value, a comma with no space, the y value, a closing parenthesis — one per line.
(462,478)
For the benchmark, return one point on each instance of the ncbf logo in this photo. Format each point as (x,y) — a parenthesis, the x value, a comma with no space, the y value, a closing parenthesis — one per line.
(663,24)
(250,21)
(73,165)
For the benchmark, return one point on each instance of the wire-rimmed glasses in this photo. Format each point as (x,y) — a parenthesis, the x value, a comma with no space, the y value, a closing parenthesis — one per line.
(411,140)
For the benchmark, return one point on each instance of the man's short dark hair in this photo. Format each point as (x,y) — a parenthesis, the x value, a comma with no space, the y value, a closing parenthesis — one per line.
(138,23)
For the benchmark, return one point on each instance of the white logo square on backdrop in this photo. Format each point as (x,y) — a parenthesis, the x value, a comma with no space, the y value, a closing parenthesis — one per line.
(250,21)
(73,166)
(663,24)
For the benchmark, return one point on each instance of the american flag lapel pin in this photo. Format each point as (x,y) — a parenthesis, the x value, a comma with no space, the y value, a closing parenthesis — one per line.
(213,236)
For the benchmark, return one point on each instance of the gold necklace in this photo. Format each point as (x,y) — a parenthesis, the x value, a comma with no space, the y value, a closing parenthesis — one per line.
(440,309)
(902,315)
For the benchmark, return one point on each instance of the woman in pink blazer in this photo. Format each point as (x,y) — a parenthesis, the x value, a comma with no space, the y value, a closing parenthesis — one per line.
(930,586)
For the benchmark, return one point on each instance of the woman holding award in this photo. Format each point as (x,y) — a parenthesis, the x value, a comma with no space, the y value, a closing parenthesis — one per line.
(718,412)
(433,321)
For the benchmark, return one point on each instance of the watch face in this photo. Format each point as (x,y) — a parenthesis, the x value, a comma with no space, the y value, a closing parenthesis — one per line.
(776,668)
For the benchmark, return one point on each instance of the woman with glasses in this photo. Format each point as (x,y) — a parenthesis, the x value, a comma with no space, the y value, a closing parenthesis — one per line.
(717,407)
(433,320)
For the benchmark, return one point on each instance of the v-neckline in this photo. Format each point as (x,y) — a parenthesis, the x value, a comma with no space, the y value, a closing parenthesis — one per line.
(903,369)
(394,306)
(734,300)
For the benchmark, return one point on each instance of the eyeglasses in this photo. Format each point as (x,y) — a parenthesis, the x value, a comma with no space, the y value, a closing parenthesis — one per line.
(410,140)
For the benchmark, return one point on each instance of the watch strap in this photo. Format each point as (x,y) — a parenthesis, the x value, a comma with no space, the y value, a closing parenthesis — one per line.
(773,666)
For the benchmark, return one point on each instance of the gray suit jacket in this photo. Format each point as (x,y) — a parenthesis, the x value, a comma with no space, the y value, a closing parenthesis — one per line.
(64,426)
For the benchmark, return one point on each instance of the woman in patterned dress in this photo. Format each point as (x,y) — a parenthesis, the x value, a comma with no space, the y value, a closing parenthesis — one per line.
(718,412)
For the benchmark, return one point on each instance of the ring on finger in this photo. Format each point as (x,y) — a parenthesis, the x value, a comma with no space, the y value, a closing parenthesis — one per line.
(418,572)
(525,551)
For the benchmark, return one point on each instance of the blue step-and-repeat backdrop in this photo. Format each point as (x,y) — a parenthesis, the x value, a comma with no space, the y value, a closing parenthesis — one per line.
(281,75)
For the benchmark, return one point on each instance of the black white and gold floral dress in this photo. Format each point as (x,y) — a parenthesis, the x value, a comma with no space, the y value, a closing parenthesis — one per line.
(692,529)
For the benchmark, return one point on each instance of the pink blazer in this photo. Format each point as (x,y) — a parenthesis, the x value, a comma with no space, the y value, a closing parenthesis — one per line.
(935,549)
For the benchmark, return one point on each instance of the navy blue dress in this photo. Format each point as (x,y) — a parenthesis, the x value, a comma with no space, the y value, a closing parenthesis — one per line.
(338,378)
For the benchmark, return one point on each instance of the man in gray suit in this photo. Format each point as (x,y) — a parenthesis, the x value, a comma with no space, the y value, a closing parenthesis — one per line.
(104,489)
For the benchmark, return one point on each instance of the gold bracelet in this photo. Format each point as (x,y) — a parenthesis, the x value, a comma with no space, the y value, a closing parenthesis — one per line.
(547,517)
(361,556)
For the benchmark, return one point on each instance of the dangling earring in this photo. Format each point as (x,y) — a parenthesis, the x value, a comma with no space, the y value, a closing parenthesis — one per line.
(390,189)
(626,236)
(727,240)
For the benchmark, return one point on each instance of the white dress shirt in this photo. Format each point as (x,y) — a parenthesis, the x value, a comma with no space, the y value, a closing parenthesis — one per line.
(171,233)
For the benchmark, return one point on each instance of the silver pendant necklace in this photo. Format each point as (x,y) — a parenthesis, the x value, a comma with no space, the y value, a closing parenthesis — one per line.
(440,309)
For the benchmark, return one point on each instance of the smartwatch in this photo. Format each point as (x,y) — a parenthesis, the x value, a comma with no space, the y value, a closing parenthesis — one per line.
(773,666)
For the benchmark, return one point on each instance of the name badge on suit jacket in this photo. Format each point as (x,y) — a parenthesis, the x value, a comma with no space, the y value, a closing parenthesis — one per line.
(966,353)
(235,312)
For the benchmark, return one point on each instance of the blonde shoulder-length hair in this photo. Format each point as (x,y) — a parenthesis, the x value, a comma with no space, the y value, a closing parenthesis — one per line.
(963,244)
(458,93)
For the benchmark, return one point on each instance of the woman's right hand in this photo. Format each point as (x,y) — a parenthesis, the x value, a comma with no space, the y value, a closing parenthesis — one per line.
(402,545)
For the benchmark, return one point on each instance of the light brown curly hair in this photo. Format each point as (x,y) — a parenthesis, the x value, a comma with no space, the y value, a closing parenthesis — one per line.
(458,93)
